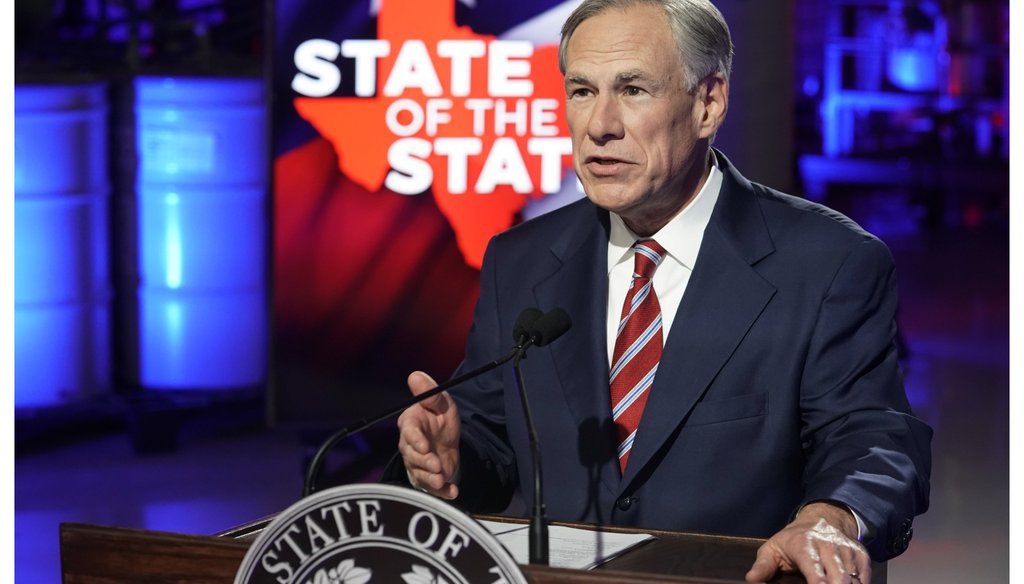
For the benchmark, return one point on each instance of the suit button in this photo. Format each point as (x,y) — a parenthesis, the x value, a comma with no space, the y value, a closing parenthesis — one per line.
(624,503)
(901,539)
(907,537)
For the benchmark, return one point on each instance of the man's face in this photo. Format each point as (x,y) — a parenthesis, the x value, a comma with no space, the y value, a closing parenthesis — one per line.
(634,126)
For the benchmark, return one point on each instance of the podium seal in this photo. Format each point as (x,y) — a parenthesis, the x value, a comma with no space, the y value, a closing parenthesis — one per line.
(370,533)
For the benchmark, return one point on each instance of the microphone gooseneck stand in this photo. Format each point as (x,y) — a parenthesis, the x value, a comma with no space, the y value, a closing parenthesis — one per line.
(531,329)
(522,333)
(545,330)
(538,518)
(314,465)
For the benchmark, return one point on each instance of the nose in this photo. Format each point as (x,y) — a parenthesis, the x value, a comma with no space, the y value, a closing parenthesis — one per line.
(605,121)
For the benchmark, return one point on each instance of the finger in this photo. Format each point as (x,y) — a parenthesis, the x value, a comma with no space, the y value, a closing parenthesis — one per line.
(413,433)
(420,382)
(427,462)
(837,571)
(810,564)
(765,566)
(429,481)
(419,450)
(863,564)
(415,444)
(812,571)
(837,562)
(846,559)
(436,484)
(449,491)
(851,563)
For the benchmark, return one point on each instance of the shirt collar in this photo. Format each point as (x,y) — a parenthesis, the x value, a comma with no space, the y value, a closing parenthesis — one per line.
(681,236)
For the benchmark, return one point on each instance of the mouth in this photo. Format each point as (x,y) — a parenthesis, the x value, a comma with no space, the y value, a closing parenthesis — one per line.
(604,166)
(602,161)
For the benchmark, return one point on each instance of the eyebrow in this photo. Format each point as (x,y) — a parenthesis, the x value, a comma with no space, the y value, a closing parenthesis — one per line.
(631,76)
(576,80)
(622,78)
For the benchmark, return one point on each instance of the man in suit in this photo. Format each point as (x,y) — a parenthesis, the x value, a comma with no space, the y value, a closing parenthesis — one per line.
(765,321)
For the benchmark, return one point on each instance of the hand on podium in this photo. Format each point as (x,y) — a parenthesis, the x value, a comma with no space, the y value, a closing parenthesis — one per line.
(821,543)
(429,440)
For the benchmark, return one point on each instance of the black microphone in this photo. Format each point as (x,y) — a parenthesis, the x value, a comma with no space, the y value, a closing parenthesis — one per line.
(524,333)
(549,327)
(523,330)
(544,330)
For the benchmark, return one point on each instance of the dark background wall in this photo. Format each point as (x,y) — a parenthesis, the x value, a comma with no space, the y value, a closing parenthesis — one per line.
(758,134)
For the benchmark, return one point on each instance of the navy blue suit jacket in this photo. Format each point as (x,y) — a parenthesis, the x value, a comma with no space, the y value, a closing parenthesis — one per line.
(778,385)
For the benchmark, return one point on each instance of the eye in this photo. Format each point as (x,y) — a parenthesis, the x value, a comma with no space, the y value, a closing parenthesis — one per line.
(579,92)
(633,90)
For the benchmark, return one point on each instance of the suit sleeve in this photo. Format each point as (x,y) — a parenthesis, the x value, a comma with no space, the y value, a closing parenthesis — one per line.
(863,446)
(487,462)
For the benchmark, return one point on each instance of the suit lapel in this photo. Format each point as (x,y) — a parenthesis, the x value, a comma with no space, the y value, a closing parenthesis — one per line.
(578,283)
(723,299)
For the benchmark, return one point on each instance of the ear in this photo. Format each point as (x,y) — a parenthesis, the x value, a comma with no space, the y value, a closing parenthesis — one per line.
(713,98)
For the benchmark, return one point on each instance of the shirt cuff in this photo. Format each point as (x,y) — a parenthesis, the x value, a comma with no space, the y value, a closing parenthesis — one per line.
(863,534)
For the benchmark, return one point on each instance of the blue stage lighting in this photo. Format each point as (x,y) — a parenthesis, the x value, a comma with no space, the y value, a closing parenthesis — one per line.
(202,217)
(61,269)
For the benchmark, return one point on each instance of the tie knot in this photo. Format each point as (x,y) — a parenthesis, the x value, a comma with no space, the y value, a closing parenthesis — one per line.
(647,258)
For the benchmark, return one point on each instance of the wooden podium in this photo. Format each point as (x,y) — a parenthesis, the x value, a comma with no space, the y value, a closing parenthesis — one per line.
(93,554)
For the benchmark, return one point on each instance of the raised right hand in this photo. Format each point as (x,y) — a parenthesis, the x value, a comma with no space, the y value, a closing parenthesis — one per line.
(429,439)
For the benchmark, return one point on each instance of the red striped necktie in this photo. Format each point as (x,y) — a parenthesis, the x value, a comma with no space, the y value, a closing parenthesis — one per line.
(638,345)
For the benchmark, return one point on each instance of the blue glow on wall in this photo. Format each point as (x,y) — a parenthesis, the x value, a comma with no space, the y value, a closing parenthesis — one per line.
(914,68)
(202,216)
(61,268)
(172,244)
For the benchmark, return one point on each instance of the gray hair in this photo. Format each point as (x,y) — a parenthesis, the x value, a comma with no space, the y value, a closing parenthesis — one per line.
(700,32)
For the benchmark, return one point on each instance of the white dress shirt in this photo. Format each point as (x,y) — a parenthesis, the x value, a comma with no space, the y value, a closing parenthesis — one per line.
(681,239)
